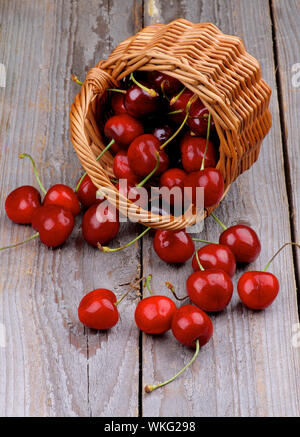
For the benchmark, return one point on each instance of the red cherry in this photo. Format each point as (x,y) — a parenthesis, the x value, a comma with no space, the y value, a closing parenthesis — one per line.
(123,129)
(172,178)
(139,102)
(192,151)
(117,103)
(87,191)
(163,82)
(122,169)
(257,290)
(179,103)
(98,310)
(211,180)
(174,247)
(21,203)
(154,314)
(190,324)
(64,196)
(100,225)
(53,223)
(142,155)
(215,256)
(198,119)
(243,242)
(162,132)
(210,290)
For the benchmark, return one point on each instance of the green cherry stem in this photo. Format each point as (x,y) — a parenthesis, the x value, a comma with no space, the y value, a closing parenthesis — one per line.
(203,241)
(75,79)
(116,90)
(172,289)
(173,100)
(150,388)
(218,221)
(150,91)
(207,140)
(141,184)
(26,155)
(198,261)
(97,159)
(192,99)
(22,242)
(117,249)
(147,284)
(178,111)
(278,251)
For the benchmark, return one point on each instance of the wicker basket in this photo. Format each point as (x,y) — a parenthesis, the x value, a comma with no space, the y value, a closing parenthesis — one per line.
(214,66)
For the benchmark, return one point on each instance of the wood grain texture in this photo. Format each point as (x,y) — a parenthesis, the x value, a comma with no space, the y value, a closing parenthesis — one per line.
(51,366)
(286,26)
(250,367)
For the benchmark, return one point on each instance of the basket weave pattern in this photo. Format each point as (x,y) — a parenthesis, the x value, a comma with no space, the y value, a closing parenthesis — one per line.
(214,66)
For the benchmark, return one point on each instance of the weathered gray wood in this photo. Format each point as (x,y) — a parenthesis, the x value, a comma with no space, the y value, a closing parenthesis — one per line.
(250,367)
(50,365)
(287,22)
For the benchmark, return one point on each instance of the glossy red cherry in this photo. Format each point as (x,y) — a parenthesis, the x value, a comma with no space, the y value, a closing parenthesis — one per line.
(154,314)
(257,290)
(190,324)
(210,290)
(87,191)
(172,178)
(141,101)
(100,224)
(21,203)
(192,151)
(142,155)
(122,169)
(162,132)
(215,256)
(98,310)
(198,119)
(53,223)
(211,180)
(163,82)
(123,129)
(174,247)
(243,242)
(64,196)
(117,103)
(179,103)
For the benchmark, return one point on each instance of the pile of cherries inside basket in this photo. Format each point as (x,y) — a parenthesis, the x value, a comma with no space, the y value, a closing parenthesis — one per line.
(159,133)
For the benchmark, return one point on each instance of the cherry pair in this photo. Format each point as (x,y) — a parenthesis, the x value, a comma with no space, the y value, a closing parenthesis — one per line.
(54,220)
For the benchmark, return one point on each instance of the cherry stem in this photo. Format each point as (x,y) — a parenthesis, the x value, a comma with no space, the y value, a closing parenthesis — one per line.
(150,388)
(278,251)
(26,155)
(203,241)
(147,284)
(198,261)
(75,79)
(116,90)
(207,140)
(172,289)
(178,111)
(22,242)
(97,159)
(141,184)
(117,249)
(218,221)
(122,297)
(192,99)
(150,91)
(173,100)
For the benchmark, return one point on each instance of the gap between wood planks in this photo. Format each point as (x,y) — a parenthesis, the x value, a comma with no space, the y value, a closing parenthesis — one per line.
(287,169)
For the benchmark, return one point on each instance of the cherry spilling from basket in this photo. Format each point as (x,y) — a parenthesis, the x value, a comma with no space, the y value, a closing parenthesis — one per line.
(161,135)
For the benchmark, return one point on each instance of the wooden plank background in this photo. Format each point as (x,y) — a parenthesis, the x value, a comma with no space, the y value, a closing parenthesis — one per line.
(51,365)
